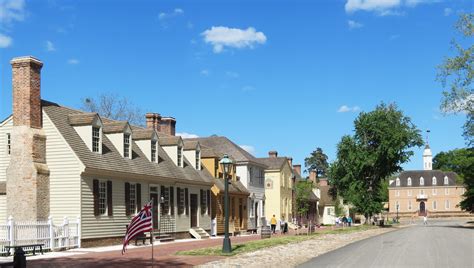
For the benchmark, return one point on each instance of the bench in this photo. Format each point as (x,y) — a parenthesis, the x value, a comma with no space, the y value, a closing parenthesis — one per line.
(34,246)
(142,237)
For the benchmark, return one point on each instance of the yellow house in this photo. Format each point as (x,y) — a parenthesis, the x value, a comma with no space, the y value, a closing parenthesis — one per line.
(238,195)
(278,186)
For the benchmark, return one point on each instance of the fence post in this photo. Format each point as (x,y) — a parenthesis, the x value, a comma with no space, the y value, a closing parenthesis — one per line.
(51,233)
(78,230)
(11,230)
(66,231)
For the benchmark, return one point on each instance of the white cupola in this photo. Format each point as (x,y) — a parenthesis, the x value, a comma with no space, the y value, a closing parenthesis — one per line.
(427,158)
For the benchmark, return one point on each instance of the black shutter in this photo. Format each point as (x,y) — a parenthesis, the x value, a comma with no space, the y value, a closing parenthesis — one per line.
(178,198)
(139,196)
(127,199)
(209,202)
(186,200)
(95,191)
(110,206)
(172,200)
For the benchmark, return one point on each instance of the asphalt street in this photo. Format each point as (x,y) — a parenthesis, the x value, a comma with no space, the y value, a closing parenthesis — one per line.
(442,243)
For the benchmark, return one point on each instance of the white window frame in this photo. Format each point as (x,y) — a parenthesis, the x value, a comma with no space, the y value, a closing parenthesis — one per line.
(154,151)
(422,181)
(127,140)
(182,201)
(96,139)
(198,160)
(434,181)
(9,143)
(180,156)
(409,181)
(446,180)
(397,182)
(133,198)
(102,197)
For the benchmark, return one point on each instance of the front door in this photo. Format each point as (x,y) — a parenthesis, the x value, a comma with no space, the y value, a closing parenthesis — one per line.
(154,196)
(194,210)
(422,208)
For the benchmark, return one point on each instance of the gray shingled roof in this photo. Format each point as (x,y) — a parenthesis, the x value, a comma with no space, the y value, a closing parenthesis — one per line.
(143,134)
(190,145)
(326,198)
(81,119)
(222,145)
(274,162)
(115,127)
(427,175)
(208,152)
(235,187)
(169,140)
(111,161)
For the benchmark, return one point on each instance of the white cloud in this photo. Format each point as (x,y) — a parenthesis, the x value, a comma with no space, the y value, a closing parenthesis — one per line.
(220,37)
(73,61)
(5,41)
(248,148)
(232,74)
(186,135)
(383,7)
(172,14)
(248,88)
(354,24)
(50,46)
(205,72)
(346,109)
(12,10)
(447,11)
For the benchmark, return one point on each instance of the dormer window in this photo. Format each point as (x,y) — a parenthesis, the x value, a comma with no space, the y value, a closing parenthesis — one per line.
(96,139)
(180,156)
(446,180)
(198,160)
(434,180)
(422,181)
(409,181)
(153,151)
(126,145)
(397,182)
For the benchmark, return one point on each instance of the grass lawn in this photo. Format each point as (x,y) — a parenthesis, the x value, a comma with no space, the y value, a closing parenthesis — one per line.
(270,242)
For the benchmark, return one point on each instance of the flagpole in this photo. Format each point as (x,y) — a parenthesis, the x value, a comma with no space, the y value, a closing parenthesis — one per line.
(152,233)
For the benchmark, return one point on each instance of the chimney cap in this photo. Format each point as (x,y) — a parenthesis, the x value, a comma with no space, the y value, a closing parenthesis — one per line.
(273,154)
(26,59)
(168,118)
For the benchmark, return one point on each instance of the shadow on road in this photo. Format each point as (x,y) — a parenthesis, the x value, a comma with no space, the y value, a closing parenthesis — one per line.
(115,262)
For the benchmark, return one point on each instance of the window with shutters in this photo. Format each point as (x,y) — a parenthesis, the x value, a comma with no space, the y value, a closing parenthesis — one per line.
(96,139)
(9,143)
(102,197)
(203,201)
(166,198)
(133,198)
(180,156)
(181,199)
(153,151)
(126,145)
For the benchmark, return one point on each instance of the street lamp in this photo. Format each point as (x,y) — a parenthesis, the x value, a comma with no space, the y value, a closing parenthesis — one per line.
(226,165)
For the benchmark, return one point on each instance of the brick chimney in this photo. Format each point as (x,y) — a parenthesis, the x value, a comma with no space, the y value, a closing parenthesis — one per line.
(168,125)
(297,168)
(27,172)
(153,121)
(273,154)
(290,161)
(312,176)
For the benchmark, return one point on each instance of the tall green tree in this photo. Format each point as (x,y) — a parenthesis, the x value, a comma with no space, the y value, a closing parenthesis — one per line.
(456,74)
(317,161)
(380,144)
(303,192)
(460,161)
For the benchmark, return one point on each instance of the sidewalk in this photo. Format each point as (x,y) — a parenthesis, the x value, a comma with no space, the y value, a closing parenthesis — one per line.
(139,256)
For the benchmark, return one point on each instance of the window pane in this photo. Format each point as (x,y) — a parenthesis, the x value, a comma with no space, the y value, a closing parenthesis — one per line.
(126,145)
(133,198)
(95,139)
(102,197)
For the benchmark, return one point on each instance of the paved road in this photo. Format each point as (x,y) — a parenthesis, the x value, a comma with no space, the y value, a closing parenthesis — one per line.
(442,243)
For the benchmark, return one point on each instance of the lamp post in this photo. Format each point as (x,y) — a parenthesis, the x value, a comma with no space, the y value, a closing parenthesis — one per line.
(226,165)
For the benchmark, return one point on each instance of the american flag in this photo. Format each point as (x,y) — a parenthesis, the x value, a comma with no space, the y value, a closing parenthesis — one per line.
(141,223)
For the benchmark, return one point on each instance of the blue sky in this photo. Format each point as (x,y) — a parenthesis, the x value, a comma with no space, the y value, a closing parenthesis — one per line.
(271,75)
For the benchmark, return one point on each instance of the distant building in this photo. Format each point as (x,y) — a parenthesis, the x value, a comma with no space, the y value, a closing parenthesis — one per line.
(427,191)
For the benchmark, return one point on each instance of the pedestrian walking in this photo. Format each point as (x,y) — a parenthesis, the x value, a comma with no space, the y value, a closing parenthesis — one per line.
(425,220)
(273,223)
(349,221)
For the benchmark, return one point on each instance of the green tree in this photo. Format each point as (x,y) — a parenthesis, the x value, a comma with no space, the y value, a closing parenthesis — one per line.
(317,161)
(380,144)
(460,161)
(303,192)
(456,74)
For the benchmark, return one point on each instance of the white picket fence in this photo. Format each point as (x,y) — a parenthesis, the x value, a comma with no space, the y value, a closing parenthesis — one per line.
(54,237)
